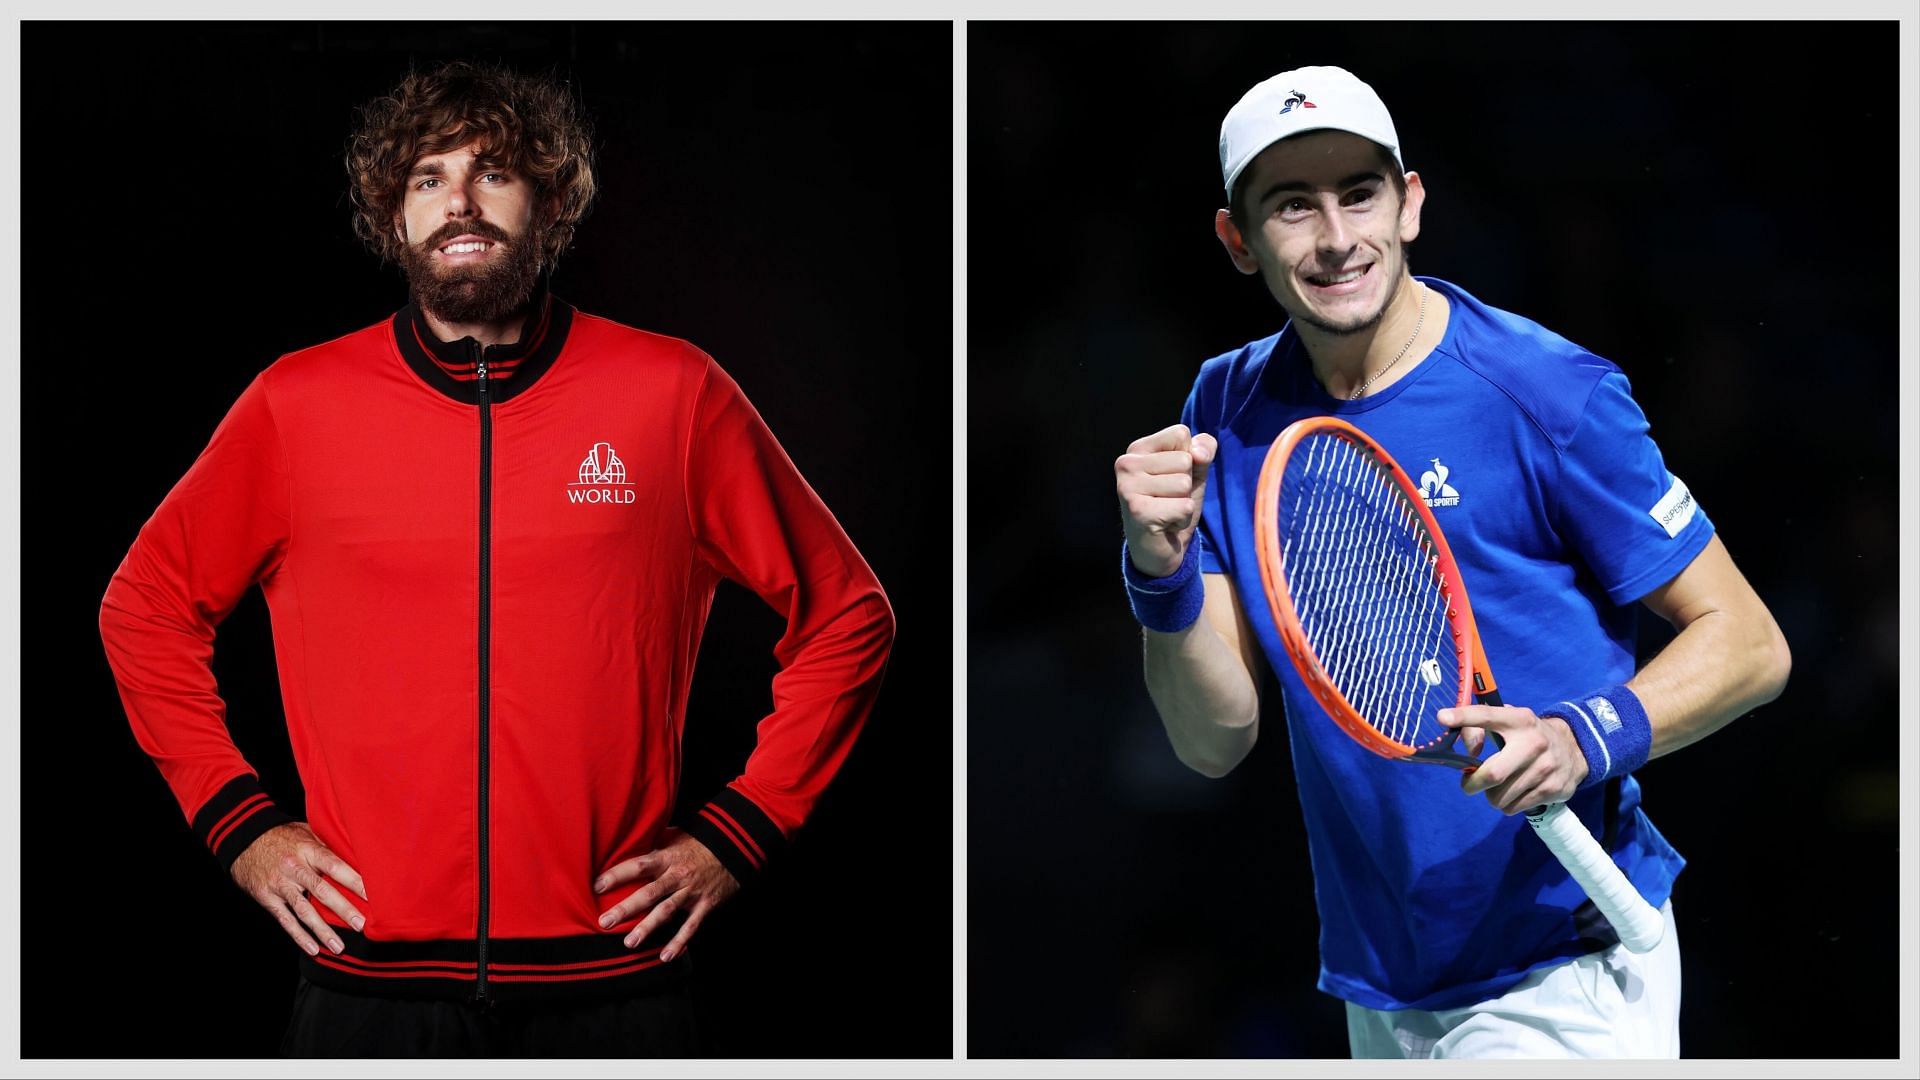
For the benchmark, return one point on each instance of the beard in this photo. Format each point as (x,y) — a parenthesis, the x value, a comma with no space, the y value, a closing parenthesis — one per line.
(486,291)
(1357,325)
(1345,329)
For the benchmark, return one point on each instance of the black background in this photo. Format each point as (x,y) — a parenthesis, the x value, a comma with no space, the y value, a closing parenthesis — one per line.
(1711,206)
(779,195)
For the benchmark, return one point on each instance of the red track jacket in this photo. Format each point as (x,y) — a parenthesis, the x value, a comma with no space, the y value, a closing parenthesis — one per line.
(487,596)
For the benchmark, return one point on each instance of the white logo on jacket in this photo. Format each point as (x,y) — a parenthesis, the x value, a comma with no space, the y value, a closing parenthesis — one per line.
(1434,489)
(603,478)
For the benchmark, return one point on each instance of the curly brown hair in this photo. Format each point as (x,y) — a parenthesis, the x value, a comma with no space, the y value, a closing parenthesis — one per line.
(531,124)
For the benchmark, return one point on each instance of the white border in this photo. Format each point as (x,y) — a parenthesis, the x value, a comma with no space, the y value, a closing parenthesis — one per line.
(1909,573)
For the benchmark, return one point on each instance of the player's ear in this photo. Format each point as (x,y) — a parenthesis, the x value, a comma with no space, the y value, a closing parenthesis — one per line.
(1410,205)
(1235,242)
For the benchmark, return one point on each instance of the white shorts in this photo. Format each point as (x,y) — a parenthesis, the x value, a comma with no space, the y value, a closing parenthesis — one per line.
(1609,1004)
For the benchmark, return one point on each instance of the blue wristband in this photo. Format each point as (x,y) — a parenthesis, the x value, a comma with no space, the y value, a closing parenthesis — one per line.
(1612,730)
(1168,604)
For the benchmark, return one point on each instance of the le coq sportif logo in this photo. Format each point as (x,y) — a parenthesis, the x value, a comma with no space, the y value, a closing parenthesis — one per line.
(603,478)
(1434,489)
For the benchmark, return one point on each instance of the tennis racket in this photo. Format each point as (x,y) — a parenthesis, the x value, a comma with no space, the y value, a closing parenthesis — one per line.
(1374,616)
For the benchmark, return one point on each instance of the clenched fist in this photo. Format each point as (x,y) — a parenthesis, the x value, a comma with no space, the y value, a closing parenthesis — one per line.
(1162,481)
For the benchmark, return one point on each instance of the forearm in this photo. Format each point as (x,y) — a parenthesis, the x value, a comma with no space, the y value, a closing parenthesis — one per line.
(1206,697)
(829,682)
(1722,665)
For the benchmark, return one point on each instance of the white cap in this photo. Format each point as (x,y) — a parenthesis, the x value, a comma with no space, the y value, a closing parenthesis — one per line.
(1301,100)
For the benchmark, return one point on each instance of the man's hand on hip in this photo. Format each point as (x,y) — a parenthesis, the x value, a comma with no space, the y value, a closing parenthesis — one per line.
(682,875)
(285,865)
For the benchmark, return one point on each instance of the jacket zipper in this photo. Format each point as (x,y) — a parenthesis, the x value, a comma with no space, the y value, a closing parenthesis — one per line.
(486,607)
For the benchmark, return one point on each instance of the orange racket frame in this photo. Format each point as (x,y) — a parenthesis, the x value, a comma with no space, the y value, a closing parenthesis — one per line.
(1474,677)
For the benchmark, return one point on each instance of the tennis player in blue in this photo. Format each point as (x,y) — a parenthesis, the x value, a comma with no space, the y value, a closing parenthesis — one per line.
(1448,932)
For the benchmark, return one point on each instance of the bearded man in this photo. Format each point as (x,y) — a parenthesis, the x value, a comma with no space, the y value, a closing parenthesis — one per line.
(488,530)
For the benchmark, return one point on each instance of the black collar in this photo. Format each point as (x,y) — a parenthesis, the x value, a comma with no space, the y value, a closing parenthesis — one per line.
(540,343)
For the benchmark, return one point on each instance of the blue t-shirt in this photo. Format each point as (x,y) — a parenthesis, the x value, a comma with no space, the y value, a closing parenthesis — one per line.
(1561,514)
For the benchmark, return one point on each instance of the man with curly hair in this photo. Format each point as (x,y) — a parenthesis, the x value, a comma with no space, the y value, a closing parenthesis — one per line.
(488,530)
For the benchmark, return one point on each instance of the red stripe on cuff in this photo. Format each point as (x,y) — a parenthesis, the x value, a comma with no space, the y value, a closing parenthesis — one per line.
(727,828)
(234,818)
(747,836)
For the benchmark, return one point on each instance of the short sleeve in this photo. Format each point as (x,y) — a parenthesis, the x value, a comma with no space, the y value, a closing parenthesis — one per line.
(1635,524)
(1212,552)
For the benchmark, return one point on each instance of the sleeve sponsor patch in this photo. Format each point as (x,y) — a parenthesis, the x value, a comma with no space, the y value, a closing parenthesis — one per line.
(1675,508)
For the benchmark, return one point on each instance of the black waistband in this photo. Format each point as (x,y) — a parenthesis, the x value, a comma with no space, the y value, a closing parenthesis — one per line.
(518,969)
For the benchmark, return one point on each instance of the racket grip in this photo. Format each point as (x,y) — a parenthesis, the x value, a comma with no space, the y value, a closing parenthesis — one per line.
(1638,924)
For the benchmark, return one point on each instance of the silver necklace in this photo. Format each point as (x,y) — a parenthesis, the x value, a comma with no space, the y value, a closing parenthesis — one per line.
(1362,388)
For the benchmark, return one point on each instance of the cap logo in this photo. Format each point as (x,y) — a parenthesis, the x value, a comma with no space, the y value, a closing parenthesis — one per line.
(1296,98)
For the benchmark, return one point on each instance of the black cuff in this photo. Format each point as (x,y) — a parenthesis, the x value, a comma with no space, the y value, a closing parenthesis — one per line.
(235,817)
(737,832)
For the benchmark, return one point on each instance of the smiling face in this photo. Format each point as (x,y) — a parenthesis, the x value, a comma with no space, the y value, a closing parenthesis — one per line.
(1324,227)
(471,253)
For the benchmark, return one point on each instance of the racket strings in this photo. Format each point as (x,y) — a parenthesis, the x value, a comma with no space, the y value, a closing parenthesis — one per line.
(1361,570)
(1369,608)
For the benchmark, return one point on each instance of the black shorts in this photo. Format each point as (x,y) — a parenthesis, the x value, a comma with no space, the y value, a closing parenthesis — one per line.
(335,1023)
